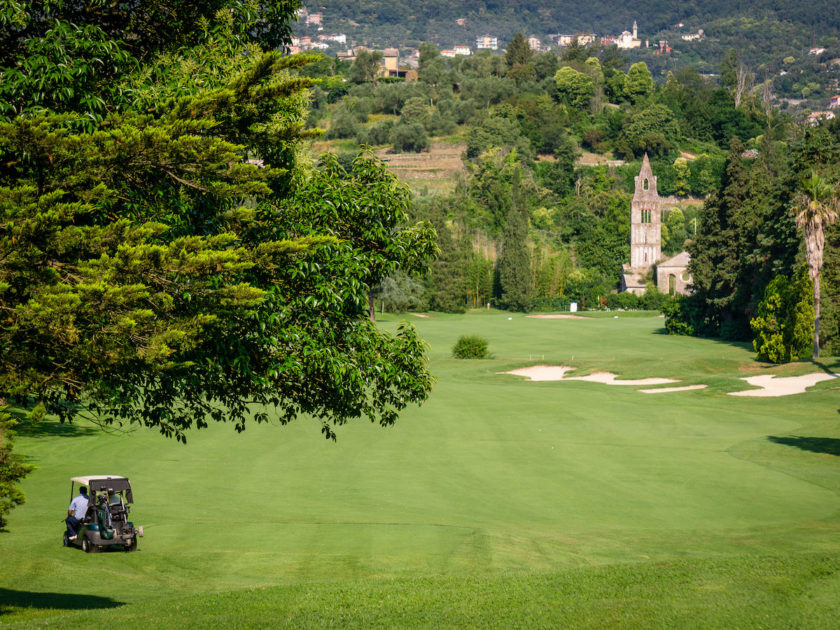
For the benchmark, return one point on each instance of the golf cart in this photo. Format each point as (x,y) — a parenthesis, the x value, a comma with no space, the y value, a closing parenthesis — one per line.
(106,521)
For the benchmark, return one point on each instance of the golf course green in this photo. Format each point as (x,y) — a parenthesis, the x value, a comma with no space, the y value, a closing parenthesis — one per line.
(501,502)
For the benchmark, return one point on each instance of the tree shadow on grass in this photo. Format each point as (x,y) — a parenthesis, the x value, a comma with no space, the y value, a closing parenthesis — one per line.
(12,600)
(744,345)
(52,428)
(829,446)
(825,367)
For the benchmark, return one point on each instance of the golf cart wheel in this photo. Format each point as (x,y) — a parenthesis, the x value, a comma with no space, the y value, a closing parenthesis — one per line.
(66,540)
(87,547)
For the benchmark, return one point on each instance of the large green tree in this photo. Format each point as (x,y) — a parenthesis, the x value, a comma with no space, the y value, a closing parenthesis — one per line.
(746,238)
(574,88)
(174,264)
(445,281)
(67,56)
(365,66)
(783,326)
(639,84)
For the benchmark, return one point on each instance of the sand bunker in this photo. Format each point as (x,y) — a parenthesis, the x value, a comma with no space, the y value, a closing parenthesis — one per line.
(665,390)
(423,315)
(608,378)
(772,385)
(555,317)
(558,373)
(542,372)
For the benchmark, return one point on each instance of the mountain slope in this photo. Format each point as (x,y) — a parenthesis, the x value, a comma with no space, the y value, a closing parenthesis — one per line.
(435,20)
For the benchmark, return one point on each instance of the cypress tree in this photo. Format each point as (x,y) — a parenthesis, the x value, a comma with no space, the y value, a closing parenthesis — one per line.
(514,264)
(518,51)
(446,278)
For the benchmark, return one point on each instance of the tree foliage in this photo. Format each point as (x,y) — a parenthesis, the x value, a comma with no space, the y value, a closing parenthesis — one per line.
(515,257)
(152,272)
(365,66)
(639,84)
(409,137)
(652,130)
(747,237)
(784,324)
(12,468)
(518,52)
(71,56)
(574,88)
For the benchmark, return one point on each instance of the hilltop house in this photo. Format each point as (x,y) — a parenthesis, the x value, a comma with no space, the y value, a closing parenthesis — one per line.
(816,118)
(583,39)
(454,52)
(487,42)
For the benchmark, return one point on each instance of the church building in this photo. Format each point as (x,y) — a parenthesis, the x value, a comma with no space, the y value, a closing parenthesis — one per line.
(671,275)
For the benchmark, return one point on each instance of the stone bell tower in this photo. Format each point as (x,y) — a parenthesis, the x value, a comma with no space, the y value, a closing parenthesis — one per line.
(645,232)
(645,222)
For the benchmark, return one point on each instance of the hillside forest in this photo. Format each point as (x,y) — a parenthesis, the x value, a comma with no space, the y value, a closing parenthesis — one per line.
(790,49)
(539,216)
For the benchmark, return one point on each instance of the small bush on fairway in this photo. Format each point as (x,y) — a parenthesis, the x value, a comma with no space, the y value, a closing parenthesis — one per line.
(470,347)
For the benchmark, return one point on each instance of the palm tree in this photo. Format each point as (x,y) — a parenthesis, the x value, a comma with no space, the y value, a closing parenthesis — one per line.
(817,204)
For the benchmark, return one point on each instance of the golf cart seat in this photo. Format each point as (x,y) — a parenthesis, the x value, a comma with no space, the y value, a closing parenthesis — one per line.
(117,511)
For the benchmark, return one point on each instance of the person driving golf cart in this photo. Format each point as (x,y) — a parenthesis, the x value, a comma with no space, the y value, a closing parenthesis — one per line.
(105,522)
(76,513)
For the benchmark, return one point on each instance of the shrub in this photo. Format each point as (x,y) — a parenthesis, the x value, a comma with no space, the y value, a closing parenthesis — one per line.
(625,300)
(344,124)
(378,133)
(677,320)
(653,298)
(470,347)
(409,137)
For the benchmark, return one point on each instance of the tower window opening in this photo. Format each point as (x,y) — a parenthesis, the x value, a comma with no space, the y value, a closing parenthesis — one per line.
(645,184)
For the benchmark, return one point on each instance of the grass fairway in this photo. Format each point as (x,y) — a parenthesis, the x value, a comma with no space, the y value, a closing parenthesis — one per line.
(501,502)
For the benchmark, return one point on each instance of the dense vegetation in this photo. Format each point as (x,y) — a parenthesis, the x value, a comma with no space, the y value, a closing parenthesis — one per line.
(749,237)
(435,20)
(526,227)
(166,259)
(772,39)
(525,117)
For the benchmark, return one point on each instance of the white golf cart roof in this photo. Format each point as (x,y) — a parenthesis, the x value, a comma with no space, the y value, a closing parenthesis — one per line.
(85,481)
